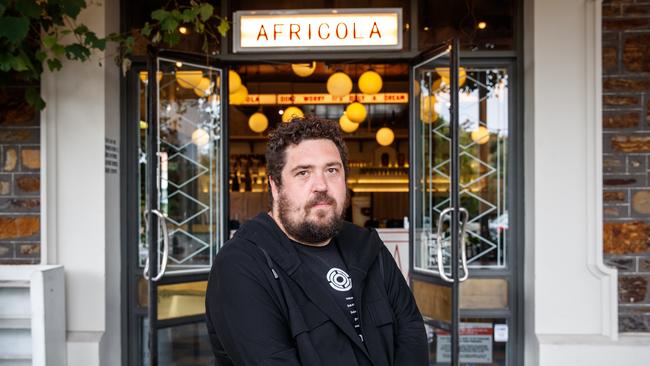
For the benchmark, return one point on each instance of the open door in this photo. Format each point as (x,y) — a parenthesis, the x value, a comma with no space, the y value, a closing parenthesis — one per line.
(438,260)
(181,205)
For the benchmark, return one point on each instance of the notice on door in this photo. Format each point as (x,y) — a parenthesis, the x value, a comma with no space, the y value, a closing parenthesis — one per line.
(475,343)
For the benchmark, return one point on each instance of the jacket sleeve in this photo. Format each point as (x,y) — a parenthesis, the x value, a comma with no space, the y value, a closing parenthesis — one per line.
(245,317)
(411,347)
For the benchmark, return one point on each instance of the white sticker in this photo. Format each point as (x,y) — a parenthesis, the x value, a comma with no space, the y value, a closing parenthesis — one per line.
(500,332)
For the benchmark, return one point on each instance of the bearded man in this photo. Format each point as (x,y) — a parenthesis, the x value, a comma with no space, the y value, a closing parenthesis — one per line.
(300,286)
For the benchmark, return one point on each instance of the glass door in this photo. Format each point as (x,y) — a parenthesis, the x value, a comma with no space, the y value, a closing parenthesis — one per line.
(181,206)
(438,263)
(464,265)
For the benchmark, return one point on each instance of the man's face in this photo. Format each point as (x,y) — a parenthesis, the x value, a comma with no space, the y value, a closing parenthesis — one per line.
(313,196)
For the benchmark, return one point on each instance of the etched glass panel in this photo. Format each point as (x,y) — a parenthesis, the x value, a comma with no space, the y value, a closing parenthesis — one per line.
(483,145)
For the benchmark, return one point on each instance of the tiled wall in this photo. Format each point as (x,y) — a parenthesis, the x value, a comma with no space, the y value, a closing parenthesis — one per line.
(20,179)
(626,160)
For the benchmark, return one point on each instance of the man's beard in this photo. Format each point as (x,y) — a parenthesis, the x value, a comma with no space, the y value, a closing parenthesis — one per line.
(307,231)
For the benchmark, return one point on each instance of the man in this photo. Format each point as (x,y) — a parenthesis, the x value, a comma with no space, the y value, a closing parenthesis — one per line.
(298,285)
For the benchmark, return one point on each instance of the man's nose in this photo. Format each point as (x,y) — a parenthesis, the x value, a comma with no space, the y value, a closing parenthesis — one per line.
(319,182)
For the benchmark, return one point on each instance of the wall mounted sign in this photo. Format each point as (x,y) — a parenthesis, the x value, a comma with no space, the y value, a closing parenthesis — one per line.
(317,29)
(324,98)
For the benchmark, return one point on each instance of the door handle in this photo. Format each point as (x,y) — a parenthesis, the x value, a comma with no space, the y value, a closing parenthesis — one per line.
(163,266)
(461,243)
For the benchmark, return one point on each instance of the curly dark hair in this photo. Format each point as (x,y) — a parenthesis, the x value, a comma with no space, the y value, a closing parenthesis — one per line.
(293,133)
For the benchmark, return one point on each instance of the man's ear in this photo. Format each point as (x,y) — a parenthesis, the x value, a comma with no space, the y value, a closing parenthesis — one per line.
(274,190)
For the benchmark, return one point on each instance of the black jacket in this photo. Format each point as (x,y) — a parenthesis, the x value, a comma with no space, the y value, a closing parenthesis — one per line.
(264,308)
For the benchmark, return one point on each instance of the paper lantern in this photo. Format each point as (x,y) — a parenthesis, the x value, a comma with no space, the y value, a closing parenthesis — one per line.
(385,136)
(304,70)
(290,113)
(200,137)
(239,96)
(356,112)
(258,122)
(370,82)
(444,75)
(204,88)
(347,125)
(481,135)
(143,125)
(339,84)
(234,81)
(189,79)
(428,112)
(144,76)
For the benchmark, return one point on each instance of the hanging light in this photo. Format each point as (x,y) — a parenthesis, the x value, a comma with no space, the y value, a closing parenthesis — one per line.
(428,112)
(481,25)
(200,137)
(370,82)
(356,112)
(444,75)
(234,81)
(188,79)
(339,84)
(290,113)
(258,122)
(347,125)
(239,96)
(144,76)
(304,70)
(481,135)
(204,87)
(385,136)
(143,125)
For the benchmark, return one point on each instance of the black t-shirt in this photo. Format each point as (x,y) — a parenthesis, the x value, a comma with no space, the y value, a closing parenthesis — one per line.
(327,264)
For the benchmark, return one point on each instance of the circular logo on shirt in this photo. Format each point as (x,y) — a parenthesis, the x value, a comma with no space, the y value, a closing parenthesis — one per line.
(339,280)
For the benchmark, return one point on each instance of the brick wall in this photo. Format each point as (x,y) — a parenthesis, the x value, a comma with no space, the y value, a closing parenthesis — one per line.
(19,179)
(626,158)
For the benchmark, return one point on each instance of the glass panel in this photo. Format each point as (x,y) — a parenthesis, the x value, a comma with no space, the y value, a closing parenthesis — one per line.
(480,24)
(484,293)
(185,345)
(483,116)
(190,179)
(181,299)
(481,342)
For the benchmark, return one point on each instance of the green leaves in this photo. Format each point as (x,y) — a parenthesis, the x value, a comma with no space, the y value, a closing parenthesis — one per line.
(28,8)
(14,29)
(34,98)
(206,11)
(224,26)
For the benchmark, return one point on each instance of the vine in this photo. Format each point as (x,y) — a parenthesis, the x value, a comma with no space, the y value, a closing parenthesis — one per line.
(35,34)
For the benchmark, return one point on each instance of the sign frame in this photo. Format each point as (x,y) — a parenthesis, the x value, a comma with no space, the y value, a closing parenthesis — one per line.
(236,40)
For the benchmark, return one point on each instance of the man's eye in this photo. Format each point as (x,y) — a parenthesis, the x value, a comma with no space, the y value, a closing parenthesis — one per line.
(332,170)
(301,173)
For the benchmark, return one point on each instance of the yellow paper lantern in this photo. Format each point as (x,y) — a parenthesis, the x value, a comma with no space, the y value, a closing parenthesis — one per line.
(204,88)
(347,125)
(143,125)
(290,113)
(144,76)
(428,112)
(304,70)
(356,112)
(200,137)
(481,135)
(258,122)
(339,84)
(444,75)
(239,96)
(370,82)
(385,136)
(189,79)
(234,81)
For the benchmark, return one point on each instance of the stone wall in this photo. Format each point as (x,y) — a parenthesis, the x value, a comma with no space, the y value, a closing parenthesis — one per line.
(20,179)
(626,159)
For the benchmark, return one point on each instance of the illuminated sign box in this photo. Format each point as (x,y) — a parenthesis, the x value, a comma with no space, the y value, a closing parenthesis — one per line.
(317,30)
